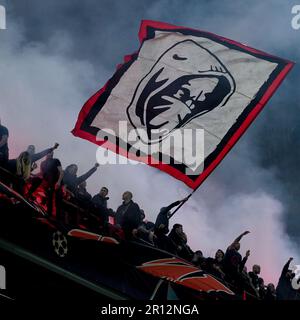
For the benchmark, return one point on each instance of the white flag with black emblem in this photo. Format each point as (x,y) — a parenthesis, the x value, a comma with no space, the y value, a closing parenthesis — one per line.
(182,100)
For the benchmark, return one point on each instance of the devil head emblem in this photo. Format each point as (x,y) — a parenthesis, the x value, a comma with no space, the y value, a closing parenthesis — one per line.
(186,82)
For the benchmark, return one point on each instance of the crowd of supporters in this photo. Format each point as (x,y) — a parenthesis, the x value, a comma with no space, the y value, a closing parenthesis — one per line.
(229,266)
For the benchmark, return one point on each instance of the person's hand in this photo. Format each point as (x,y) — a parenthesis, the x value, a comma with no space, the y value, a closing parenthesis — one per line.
(290,259)
(55,146)
(96,165)
(246,232)
(184,199)
(247,253)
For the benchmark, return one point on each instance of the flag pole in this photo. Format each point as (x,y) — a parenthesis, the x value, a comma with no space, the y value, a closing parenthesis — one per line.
(182,203)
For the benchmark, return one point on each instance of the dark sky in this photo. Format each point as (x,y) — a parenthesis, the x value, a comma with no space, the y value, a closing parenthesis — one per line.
(102,32)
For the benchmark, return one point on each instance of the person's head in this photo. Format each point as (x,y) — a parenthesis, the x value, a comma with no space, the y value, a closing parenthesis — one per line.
(197,257)
(178,228)
(256,269)
(271,288)
(164,211)
(237,246)
(198,254)
(72,169)
(127,196)
(219,255)
(31,149)
(103,192)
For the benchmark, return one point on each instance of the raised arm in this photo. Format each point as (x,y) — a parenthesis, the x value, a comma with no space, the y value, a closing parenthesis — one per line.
(286,267)
(243,262)
(172,205)
(238,239)
(42,154)
(87,175)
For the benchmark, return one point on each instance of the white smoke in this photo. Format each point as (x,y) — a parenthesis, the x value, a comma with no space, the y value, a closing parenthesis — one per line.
(42,91)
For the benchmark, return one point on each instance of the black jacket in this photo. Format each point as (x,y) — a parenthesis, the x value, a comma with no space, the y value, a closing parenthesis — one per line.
(99,201)
(128,216)
(284,290)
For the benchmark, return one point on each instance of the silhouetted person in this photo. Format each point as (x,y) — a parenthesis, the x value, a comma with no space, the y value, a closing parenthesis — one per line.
(284,290)
(71,181)
(234,265)
(161,227)
(128,215)
(262,290)
(144,233)
(21,168)
(52,173)
(270,292)
(83,196)
(233,259)
(148,225)
(100,199)
(37,179)
(100,204)
(3,145)
(39,155)
(162,220)
(198,259)
(215,265)
(254,276)
(179,241)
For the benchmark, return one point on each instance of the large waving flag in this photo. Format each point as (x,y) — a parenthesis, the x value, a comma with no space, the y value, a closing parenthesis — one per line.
(182,101)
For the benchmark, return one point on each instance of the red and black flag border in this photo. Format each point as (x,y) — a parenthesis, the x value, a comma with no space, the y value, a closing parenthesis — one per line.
(93,106)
